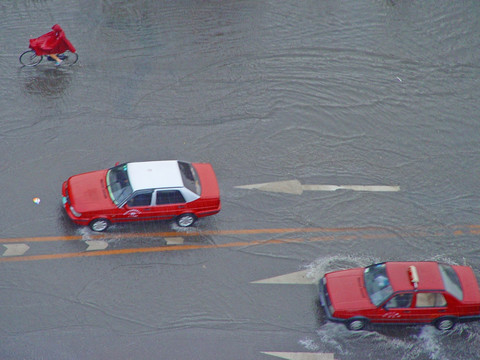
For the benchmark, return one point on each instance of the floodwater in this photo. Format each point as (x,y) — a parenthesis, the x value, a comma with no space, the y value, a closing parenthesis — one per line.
(370,92)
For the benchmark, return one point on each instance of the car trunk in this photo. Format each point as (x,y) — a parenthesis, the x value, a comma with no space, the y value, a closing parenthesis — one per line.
(471,293)
(208,180)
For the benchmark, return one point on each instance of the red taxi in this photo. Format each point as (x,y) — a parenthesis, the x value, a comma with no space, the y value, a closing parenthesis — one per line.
(142,191)
(401,293)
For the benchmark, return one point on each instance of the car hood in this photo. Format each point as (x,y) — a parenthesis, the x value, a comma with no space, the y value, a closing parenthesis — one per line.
(347,291)
(88,192)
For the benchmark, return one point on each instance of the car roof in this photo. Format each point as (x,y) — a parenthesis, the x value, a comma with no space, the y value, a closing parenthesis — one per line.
(154,174)
(429,275)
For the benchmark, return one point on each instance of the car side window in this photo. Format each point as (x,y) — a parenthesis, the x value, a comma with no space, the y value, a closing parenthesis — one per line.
(400,301)
(169,197)
(430,300)
(141,199)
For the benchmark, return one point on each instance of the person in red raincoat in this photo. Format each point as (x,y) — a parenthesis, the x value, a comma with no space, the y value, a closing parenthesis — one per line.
(52,43)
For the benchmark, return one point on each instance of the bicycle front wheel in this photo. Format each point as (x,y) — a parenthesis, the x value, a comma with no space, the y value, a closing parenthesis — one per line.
(29,58)
(68,58)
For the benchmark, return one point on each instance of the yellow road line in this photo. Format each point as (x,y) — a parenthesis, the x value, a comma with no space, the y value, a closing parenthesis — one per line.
(471,229)
(361,233)
(185,234)
(151,249)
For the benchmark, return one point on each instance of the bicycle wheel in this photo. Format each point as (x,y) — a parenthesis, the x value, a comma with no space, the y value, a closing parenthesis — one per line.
(68,58)
(29,58)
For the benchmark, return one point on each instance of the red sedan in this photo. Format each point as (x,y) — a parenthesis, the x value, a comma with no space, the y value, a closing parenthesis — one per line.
(401,293)
(141,191)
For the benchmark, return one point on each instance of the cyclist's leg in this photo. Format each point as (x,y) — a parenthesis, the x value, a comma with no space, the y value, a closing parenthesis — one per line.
(56,58)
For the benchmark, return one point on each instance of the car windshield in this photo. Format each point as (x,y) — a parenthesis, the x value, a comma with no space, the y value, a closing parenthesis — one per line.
(451,281)
(377,283)
(118,184)
(189,177)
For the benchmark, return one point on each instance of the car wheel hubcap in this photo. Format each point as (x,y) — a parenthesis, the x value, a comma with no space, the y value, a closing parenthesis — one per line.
(445,324)
(356,325)
(186,220)
(99,225)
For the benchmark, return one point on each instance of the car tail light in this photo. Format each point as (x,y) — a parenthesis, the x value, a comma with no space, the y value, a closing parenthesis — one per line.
(77,214)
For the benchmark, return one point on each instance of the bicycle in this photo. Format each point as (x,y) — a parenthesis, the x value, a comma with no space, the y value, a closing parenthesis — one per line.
(29,58)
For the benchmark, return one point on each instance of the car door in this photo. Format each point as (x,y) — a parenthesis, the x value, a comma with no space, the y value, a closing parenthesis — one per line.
(429,305)
(397,309)
(168,203)
(139,206)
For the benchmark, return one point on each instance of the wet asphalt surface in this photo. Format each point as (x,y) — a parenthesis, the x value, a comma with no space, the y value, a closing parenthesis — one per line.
(324,92)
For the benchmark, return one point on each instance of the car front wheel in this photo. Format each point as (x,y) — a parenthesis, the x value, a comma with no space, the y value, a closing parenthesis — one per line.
(185,220)
(445,323)
(356,324)
(99,224)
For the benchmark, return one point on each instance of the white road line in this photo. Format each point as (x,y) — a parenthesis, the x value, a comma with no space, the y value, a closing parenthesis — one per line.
(174,240)
(301,355)
(296,188)
(15,249)
(96,245)
(296,278)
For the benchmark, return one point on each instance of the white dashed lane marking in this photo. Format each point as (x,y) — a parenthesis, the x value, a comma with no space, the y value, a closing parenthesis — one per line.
(15,249)
(96,245)
(174,240)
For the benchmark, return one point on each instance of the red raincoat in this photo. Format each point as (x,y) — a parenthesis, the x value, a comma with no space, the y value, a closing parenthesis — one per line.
(53,42)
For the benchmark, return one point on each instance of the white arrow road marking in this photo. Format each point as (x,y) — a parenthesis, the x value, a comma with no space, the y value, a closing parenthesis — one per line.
(297,278)
(96,245)
(301,356)
(174,240)
(15,249)
(296,188)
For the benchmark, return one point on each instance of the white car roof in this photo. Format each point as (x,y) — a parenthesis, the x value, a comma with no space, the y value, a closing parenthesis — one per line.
(154,174)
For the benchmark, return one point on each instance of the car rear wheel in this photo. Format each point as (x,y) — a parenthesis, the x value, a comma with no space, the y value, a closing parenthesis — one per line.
(445,323)
(99,224)
(185,220)
(356,324)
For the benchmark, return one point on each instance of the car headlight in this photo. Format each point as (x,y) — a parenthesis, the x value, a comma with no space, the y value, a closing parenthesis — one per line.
(77,214)
(331,309)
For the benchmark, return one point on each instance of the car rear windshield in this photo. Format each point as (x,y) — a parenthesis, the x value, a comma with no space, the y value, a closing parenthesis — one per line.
(377,283)
(118,184)
(190,177)
(451,281)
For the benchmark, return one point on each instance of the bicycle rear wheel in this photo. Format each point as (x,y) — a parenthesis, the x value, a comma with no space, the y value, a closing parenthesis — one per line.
(29,58)
(68,58)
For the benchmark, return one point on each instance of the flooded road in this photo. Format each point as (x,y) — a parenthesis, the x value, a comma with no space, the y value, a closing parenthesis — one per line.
(368,93)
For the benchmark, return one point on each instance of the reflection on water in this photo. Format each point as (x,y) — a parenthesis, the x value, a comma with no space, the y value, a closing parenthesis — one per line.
(49,82)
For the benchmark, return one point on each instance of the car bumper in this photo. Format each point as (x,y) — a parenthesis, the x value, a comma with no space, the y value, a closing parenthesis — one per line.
(207,213)
(325,302)
(66,206)
(72,217)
